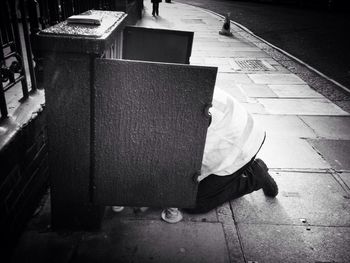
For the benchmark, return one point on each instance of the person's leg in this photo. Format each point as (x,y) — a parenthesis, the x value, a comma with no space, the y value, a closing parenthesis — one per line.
(157,9)
(268,184)
(216,190)
(153,9)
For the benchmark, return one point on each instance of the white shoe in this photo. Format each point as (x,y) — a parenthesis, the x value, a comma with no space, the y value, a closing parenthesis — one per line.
(171,215)
(117,209)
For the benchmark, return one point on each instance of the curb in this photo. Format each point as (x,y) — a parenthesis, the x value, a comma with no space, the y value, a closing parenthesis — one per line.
(342,87)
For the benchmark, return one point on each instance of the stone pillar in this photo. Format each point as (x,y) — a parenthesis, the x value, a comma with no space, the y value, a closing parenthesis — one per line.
(69,52)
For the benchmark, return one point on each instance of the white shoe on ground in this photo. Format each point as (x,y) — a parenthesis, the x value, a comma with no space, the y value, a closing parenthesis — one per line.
(117,209)
(171,215)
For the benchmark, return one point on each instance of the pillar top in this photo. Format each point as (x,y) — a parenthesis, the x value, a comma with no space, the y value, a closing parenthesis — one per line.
(86,33)
(109,20)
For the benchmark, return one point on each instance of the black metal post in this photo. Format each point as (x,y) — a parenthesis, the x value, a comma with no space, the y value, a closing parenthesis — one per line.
(54,12)
(3,107)
(18,45)
(27,44)
(33,7)
(67,8)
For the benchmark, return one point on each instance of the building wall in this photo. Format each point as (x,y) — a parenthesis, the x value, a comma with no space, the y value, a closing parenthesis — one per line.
(24,176)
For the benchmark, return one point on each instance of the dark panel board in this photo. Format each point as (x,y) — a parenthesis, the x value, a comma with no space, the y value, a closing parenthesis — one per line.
(149,44)
(150,128)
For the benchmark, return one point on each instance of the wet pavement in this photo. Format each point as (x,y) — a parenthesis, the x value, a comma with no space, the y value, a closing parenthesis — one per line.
(307,150)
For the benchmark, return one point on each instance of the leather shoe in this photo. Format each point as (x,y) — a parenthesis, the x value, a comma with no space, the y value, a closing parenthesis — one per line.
(269,185)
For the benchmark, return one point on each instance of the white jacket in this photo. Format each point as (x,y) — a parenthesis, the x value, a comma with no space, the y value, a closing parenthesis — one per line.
(232,139)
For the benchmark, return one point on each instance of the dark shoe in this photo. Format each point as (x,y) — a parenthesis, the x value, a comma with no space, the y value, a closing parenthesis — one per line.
(269,185)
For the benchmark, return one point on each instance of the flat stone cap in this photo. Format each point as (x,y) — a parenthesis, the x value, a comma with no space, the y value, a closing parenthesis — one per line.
(84,38)
(109,20)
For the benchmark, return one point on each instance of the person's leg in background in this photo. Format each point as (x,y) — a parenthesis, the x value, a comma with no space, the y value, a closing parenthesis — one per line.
(153,9)
(157,9)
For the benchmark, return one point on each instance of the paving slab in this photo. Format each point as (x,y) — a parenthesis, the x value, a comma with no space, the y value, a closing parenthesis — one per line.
(283,79)
(284,126)
(228,48)
(154,241)
(233,243)
(316,198)
(241,44)
(346,179)
(336,152)
(302,107)
(283,243)
(291,153)
(329,127)
(209,45)
(235,77)
(216,61)
(295,91)
(231,53)
(258,91)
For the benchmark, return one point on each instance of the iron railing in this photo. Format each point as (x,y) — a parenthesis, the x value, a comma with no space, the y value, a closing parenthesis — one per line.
(20,20)
(11,55)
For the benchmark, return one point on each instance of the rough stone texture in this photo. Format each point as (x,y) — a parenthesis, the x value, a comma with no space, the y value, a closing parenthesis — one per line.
(329,127)
(150,131)
(292,153)
(316,197)
(283,243)
(336,152)
(81,38)
(109,20)
(154,241)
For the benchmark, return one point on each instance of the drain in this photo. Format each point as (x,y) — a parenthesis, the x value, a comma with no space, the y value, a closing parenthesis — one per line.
(250,64)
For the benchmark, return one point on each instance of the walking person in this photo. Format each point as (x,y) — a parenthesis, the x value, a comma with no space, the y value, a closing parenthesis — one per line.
(155,7)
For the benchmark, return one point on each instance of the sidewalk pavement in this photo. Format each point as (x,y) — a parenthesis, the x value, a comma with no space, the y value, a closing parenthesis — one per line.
(307,150)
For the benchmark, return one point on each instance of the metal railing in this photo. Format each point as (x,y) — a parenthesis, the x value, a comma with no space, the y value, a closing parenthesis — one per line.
(20,20)
(11,55)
